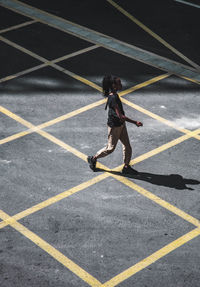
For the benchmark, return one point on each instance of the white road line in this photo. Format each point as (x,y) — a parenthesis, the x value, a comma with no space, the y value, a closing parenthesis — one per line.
(188,3)
(18,26)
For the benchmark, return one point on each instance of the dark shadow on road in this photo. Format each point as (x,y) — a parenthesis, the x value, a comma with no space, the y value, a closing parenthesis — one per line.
(172,180)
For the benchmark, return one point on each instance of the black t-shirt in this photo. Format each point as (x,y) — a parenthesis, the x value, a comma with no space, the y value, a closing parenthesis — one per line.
(113,119)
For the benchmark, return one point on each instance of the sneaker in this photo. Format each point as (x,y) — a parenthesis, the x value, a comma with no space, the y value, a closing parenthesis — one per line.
(129,170)
(92,162)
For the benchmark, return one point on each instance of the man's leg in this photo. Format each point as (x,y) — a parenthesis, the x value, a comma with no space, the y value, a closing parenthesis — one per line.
(127,150)
(113,137)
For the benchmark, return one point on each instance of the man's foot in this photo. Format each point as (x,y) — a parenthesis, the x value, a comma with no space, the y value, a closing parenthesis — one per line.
(127,169)
(92,162)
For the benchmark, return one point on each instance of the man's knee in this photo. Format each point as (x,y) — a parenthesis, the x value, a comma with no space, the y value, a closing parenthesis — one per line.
(110,149)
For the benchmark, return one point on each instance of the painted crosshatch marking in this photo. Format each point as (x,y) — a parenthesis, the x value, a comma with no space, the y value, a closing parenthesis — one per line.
(13,220)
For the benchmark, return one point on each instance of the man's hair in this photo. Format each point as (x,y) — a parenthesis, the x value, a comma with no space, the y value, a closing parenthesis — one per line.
(107,84)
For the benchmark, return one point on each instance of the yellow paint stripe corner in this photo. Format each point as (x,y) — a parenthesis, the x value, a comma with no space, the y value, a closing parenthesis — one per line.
(81,273)
(152,258)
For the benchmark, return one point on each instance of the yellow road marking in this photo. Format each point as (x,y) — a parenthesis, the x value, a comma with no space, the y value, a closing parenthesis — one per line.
(71,23)
(94,180)
(154,35)
(79,52)
(83,109)
(63,145)
(93,85)
(77,77)
(17,26)
(140,158)
(27,71)
(15,136)
(130,184)
(159,149)
(164,147)
(114,285)
(152,258)
(95,104)
(159,118)
(69,264)
(50,63)
(191,80)
(71,114)
(16,118)
(157,200)
(144,84)
(43,133)
(56,198)
(24,50)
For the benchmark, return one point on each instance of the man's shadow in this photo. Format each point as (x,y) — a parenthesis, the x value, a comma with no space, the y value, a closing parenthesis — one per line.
(171,180)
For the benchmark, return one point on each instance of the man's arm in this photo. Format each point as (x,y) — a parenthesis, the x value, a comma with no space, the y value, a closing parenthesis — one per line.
(124,118)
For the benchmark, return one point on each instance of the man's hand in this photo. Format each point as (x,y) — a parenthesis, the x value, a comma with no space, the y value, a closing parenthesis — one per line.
(139,124)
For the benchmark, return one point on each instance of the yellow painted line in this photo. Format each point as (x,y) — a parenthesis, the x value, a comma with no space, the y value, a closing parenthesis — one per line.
(24,50)
(69,264)
(85,108)
(84,157)
(27,71)
(44,134)
(93,85)
(77,77)
(50,63)
(71,114)
(16,118)
(100,102)
(17,26)
(56,198)
(96,179)
(15,136)
(63,145)
(157,200)
(191,80)
(160,149)
(99,165)
(158,118)
(144,84)
(154,116)
(74,24)
(82,51)
(49,123)
(154,35)
(165,147)
(152,258)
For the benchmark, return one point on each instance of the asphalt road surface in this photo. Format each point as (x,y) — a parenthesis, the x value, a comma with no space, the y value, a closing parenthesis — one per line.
(61,224)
